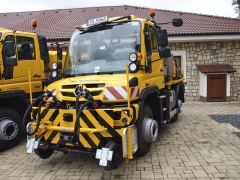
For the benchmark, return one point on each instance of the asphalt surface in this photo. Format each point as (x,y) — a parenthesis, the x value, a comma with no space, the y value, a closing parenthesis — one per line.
(194,147)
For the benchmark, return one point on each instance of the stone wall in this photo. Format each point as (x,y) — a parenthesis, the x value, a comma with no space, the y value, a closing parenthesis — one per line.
(227,52)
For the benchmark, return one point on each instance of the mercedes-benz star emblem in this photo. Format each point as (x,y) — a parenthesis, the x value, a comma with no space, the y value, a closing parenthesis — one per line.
(78,90)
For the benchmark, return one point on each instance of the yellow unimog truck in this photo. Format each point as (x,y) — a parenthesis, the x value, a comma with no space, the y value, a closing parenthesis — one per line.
(22,61)
(120,83)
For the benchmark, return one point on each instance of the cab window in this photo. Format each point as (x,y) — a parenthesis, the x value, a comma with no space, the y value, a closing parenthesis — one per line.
(154,40)
(25,46)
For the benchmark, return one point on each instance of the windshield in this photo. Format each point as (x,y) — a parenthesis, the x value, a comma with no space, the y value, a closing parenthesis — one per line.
(103,49)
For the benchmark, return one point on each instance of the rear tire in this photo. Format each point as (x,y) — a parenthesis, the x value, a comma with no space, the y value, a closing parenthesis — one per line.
(175,118)
(143,147)
(179,106)
(11,120)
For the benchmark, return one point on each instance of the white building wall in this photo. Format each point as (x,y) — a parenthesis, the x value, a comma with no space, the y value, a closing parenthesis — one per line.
(228,85)
(203,84)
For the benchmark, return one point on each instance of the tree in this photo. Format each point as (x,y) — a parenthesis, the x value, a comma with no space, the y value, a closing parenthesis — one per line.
(237,8)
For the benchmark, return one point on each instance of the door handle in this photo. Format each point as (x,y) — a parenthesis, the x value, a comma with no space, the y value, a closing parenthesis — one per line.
(36,75)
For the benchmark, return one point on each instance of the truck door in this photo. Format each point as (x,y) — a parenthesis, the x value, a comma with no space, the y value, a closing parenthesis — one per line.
(27,61)
(155,52)
(26,57)
(151,48)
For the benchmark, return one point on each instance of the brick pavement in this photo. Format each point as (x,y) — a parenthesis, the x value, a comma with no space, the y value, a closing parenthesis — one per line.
(194,147)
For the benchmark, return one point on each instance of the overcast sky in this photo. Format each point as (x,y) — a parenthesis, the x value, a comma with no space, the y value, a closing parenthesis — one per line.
(210,7)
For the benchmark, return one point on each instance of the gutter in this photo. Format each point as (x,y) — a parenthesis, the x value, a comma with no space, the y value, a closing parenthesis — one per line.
(173,39)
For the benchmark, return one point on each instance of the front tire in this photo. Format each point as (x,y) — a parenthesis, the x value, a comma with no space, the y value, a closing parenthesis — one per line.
(10,128)
(143,147)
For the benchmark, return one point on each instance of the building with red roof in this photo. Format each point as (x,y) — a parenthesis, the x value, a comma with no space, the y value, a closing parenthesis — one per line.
(208,46)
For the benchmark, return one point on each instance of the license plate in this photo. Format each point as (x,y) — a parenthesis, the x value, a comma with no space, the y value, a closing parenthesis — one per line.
(97,20)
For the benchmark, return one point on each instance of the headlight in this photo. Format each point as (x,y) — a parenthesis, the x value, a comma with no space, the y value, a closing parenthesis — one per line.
(133,67)
(56,65)
(133,57)
(54,74)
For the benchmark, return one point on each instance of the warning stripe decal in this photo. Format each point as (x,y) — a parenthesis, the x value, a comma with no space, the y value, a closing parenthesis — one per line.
(89,119)
(104,123)
(93,139)
(119,92)
(88,140)
(44,112)
(53,92)
(113,93)
(134,92)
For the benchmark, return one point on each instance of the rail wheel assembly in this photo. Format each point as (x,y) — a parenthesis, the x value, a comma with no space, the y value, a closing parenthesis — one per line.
(116,157)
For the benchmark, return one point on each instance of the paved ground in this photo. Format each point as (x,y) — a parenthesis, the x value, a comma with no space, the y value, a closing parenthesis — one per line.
(195,147)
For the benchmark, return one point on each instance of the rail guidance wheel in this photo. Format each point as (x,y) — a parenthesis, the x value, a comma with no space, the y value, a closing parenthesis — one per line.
(44,153)
(116,157)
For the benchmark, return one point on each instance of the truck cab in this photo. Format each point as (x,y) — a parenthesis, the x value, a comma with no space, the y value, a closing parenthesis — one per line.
(23,58)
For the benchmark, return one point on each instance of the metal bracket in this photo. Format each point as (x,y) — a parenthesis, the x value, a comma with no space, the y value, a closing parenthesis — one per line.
(104,155)
(31,144)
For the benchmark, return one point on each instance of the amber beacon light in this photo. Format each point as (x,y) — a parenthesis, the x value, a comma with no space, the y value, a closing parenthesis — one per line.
(152,12)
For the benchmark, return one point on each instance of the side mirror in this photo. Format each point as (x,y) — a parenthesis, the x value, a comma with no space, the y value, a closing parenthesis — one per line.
(9,48)
(43,49)
(177,22)
(165,52)
(59,53)
(162,37)
(10,62)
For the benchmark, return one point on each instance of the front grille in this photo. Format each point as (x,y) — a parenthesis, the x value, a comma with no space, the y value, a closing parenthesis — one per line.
(94,89)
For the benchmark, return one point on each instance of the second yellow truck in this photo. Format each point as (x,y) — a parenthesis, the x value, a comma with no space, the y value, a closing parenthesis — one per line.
(23,58)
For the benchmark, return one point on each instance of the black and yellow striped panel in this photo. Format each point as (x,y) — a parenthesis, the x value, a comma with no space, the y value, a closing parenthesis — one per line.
(94,119)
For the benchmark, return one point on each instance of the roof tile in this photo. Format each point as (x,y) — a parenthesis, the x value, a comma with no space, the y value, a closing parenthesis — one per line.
(216,68)
(60,23)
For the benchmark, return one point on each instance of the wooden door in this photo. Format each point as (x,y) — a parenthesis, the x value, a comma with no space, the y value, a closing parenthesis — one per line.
(216,88)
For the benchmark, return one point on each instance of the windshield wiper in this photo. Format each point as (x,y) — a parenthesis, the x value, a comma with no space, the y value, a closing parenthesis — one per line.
(108,72)
(80,74)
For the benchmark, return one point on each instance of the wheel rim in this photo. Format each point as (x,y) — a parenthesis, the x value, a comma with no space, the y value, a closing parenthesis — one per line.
(8,129)
(149,130)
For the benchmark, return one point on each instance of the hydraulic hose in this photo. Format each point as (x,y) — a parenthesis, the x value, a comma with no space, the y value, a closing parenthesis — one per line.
(27,113)
(76,127)
(77,103)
